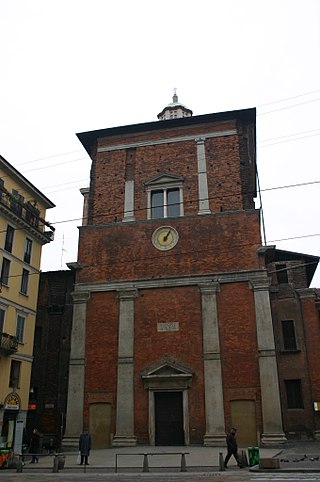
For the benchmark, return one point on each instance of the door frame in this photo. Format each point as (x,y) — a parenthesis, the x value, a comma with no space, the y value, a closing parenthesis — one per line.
(152,415)
(167,376)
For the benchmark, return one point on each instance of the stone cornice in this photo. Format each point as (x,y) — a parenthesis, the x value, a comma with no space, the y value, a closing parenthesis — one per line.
(80,296)
(307,292)
(167,140)
(257,278)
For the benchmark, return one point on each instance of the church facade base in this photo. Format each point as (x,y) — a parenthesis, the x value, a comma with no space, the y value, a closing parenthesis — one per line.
(273,438)
(214,440)
(124,441)
(70,442)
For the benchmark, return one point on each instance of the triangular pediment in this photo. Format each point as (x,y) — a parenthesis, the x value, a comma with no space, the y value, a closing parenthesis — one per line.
(167,369)
(164,178)
(167,375)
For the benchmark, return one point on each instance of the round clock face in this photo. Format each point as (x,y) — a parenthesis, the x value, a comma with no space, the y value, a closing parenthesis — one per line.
(165,238)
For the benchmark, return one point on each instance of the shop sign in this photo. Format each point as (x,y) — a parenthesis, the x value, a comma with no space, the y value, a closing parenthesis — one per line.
(12,402)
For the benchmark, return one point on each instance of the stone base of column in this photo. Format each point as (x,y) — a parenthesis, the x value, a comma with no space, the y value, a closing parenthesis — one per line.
(124,441)
(204,211)
(316,434)
(70,441)
(214,440)
(273,438)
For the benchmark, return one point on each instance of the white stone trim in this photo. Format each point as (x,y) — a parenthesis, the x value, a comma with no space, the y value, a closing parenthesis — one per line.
(167,140)
(236,277)
(128,214)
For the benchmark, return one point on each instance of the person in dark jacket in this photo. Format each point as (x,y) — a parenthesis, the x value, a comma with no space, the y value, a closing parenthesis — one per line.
(85,447)
(232,448)
(34,446)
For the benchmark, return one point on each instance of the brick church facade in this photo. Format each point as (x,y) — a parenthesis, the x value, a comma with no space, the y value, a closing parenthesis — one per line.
(172,338)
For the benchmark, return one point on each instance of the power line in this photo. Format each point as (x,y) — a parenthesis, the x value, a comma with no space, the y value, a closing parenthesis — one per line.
(49,157)
(289,98)
(290,140)
(88,158)
(294,237)
(58,164)
(112,214)
(289,107)
(258,106)
(164,255)
(287,135)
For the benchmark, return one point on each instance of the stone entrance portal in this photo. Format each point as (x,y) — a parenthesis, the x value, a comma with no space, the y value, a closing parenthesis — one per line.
(168,386)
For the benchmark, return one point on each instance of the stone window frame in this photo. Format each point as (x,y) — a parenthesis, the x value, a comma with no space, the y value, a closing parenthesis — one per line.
(164,182)
(8,244)
(28,244)
(15,374)
(294,394)
(20,327)
(287,348)
(25,277)
(5,271)
(2,319)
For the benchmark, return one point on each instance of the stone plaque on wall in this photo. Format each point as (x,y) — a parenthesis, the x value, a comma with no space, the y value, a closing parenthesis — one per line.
(168,326)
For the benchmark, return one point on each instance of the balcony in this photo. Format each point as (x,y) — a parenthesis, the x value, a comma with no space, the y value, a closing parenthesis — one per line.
(25,212)
(8,344)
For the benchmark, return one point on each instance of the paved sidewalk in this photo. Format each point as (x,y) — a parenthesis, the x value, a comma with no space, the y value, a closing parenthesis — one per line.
(293,456)
(298,456)
(196,458)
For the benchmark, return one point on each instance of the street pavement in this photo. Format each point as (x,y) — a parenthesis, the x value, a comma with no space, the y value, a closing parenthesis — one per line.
(298,461)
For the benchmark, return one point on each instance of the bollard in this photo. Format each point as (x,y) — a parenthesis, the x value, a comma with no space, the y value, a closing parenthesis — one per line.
(145,463)
(55,464)
(221,463)
(19,465)
(183,463)
(244,459)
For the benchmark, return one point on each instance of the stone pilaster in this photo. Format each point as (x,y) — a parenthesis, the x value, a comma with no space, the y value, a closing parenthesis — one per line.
(202,177)
(270,394)
(125,385)
(74,416)
(128,214)
(215,430)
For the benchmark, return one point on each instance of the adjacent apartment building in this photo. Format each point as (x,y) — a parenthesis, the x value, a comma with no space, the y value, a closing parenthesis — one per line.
(51,353)
(23,232)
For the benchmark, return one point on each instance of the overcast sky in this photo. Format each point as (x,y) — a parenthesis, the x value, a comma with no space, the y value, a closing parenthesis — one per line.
(70,66)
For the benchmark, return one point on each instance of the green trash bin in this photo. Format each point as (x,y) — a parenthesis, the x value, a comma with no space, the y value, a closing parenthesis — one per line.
(253,456)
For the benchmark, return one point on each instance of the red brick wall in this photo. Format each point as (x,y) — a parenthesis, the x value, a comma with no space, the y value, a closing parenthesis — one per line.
(238,344)
(311,316)
(292,365)
(225,241)
(223,154)
(102,349)
(180,305)
(217,243)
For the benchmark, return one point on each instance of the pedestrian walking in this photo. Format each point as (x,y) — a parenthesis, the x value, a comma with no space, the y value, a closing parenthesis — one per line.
(232,448)
(34,446)
(85,447)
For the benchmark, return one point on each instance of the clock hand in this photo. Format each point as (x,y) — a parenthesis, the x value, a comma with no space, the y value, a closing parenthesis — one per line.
(166,236)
